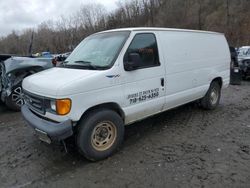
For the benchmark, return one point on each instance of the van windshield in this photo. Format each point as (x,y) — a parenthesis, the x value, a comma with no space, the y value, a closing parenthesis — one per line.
(97,52)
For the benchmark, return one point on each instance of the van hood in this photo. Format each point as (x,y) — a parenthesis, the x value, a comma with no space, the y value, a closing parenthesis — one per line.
(48,82)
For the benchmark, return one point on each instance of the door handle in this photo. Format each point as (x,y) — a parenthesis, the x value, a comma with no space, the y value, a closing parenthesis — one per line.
(162,82)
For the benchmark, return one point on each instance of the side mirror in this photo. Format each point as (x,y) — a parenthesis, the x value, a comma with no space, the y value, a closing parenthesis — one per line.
(134,61)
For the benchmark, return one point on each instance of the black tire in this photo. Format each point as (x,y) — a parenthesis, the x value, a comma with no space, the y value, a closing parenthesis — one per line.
(212,98)
(1,102)
(15,100)
(244,77)
(91,131)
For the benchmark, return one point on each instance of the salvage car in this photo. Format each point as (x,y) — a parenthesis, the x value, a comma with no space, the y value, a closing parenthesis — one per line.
(244,61)
(13,70)
(243,53)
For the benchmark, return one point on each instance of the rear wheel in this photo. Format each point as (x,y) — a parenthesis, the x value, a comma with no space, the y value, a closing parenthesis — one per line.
(244,77)
(212,97)
(100,134)
(15,100)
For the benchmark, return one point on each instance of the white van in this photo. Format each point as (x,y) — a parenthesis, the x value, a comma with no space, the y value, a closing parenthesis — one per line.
(117,77)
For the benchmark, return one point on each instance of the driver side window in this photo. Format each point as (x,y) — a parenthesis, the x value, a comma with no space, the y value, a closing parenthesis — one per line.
(145,46)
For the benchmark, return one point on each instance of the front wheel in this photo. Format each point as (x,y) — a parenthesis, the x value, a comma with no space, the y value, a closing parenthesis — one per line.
(100,134)
(212,97)
(15,100)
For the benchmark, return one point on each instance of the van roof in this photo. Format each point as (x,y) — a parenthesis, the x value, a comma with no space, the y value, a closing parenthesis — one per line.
(160,29)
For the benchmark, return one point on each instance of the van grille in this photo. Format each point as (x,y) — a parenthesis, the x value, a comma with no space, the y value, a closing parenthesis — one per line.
(35,103)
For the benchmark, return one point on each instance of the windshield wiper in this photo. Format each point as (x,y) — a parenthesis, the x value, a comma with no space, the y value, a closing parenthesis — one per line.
(83,62)
(84,65)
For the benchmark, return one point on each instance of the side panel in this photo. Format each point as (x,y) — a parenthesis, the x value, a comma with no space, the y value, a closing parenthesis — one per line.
(192,61)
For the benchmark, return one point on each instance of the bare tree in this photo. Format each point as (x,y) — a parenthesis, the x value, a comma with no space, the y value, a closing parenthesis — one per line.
(229,16)
(200,14)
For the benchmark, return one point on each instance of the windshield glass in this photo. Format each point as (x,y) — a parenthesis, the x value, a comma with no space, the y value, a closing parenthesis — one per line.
(97,51)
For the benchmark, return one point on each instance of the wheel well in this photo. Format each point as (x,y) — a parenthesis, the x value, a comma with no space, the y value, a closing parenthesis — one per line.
(111,106)
(219,80)
(26,71)
(20,74)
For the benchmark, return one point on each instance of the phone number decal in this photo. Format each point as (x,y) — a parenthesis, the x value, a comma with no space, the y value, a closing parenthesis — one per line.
(143,96)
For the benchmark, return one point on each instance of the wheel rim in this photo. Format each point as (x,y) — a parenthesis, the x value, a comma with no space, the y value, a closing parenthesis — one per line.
(214,96)
(17,96)
(103,136)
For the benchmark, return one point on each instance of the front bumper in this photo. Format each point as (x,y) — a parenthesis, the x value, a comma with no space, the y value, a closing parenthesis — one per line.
(53,131)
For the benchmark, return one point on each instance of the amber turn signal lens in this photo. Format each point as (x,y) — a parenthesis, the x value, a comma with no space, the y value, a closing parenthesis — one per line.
(63,106)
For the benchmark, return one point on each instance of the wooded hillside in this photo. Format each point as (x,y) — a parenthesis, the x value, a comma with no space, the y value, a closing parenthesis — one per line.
(231,17)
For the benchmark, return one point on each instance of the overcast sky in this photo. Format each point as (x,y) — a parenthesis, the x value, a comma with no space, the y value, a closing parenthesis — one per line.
(21,14)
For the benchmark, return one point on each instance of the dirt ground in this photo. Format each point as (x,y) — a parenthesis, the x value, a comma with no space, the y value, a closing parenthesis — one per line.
(184,147)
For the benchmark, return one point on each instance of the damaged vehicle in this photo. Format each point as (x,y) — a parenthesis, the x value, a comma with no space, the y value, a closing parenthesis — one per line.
(13,70)
(244,61)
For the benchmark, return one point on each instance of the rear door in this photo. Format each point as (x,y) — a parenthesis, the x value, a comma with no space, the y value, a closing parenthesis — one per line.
(144,87)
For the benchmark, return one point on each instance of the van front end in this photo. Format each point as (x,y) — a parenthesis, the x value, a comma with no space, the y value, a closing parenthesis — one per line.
(63,102)
(35,112)
(53,101)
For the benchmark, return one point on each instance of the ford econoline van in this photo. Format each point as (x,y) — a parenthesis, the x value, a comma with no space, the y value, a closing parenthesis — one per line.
(117,77)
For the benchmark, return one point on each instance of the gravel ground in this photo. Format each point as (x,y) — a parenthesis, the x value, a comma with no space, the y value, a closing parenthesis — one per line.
(184,147)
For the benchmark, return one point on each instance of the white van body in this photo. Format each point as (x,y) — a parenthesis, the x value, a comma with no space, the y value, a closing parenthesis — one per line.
(188,63)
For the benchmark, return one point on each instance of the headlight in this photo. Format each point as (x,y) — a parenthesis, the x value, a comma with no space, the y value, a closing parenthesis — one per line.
(60,106)
(53,105)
